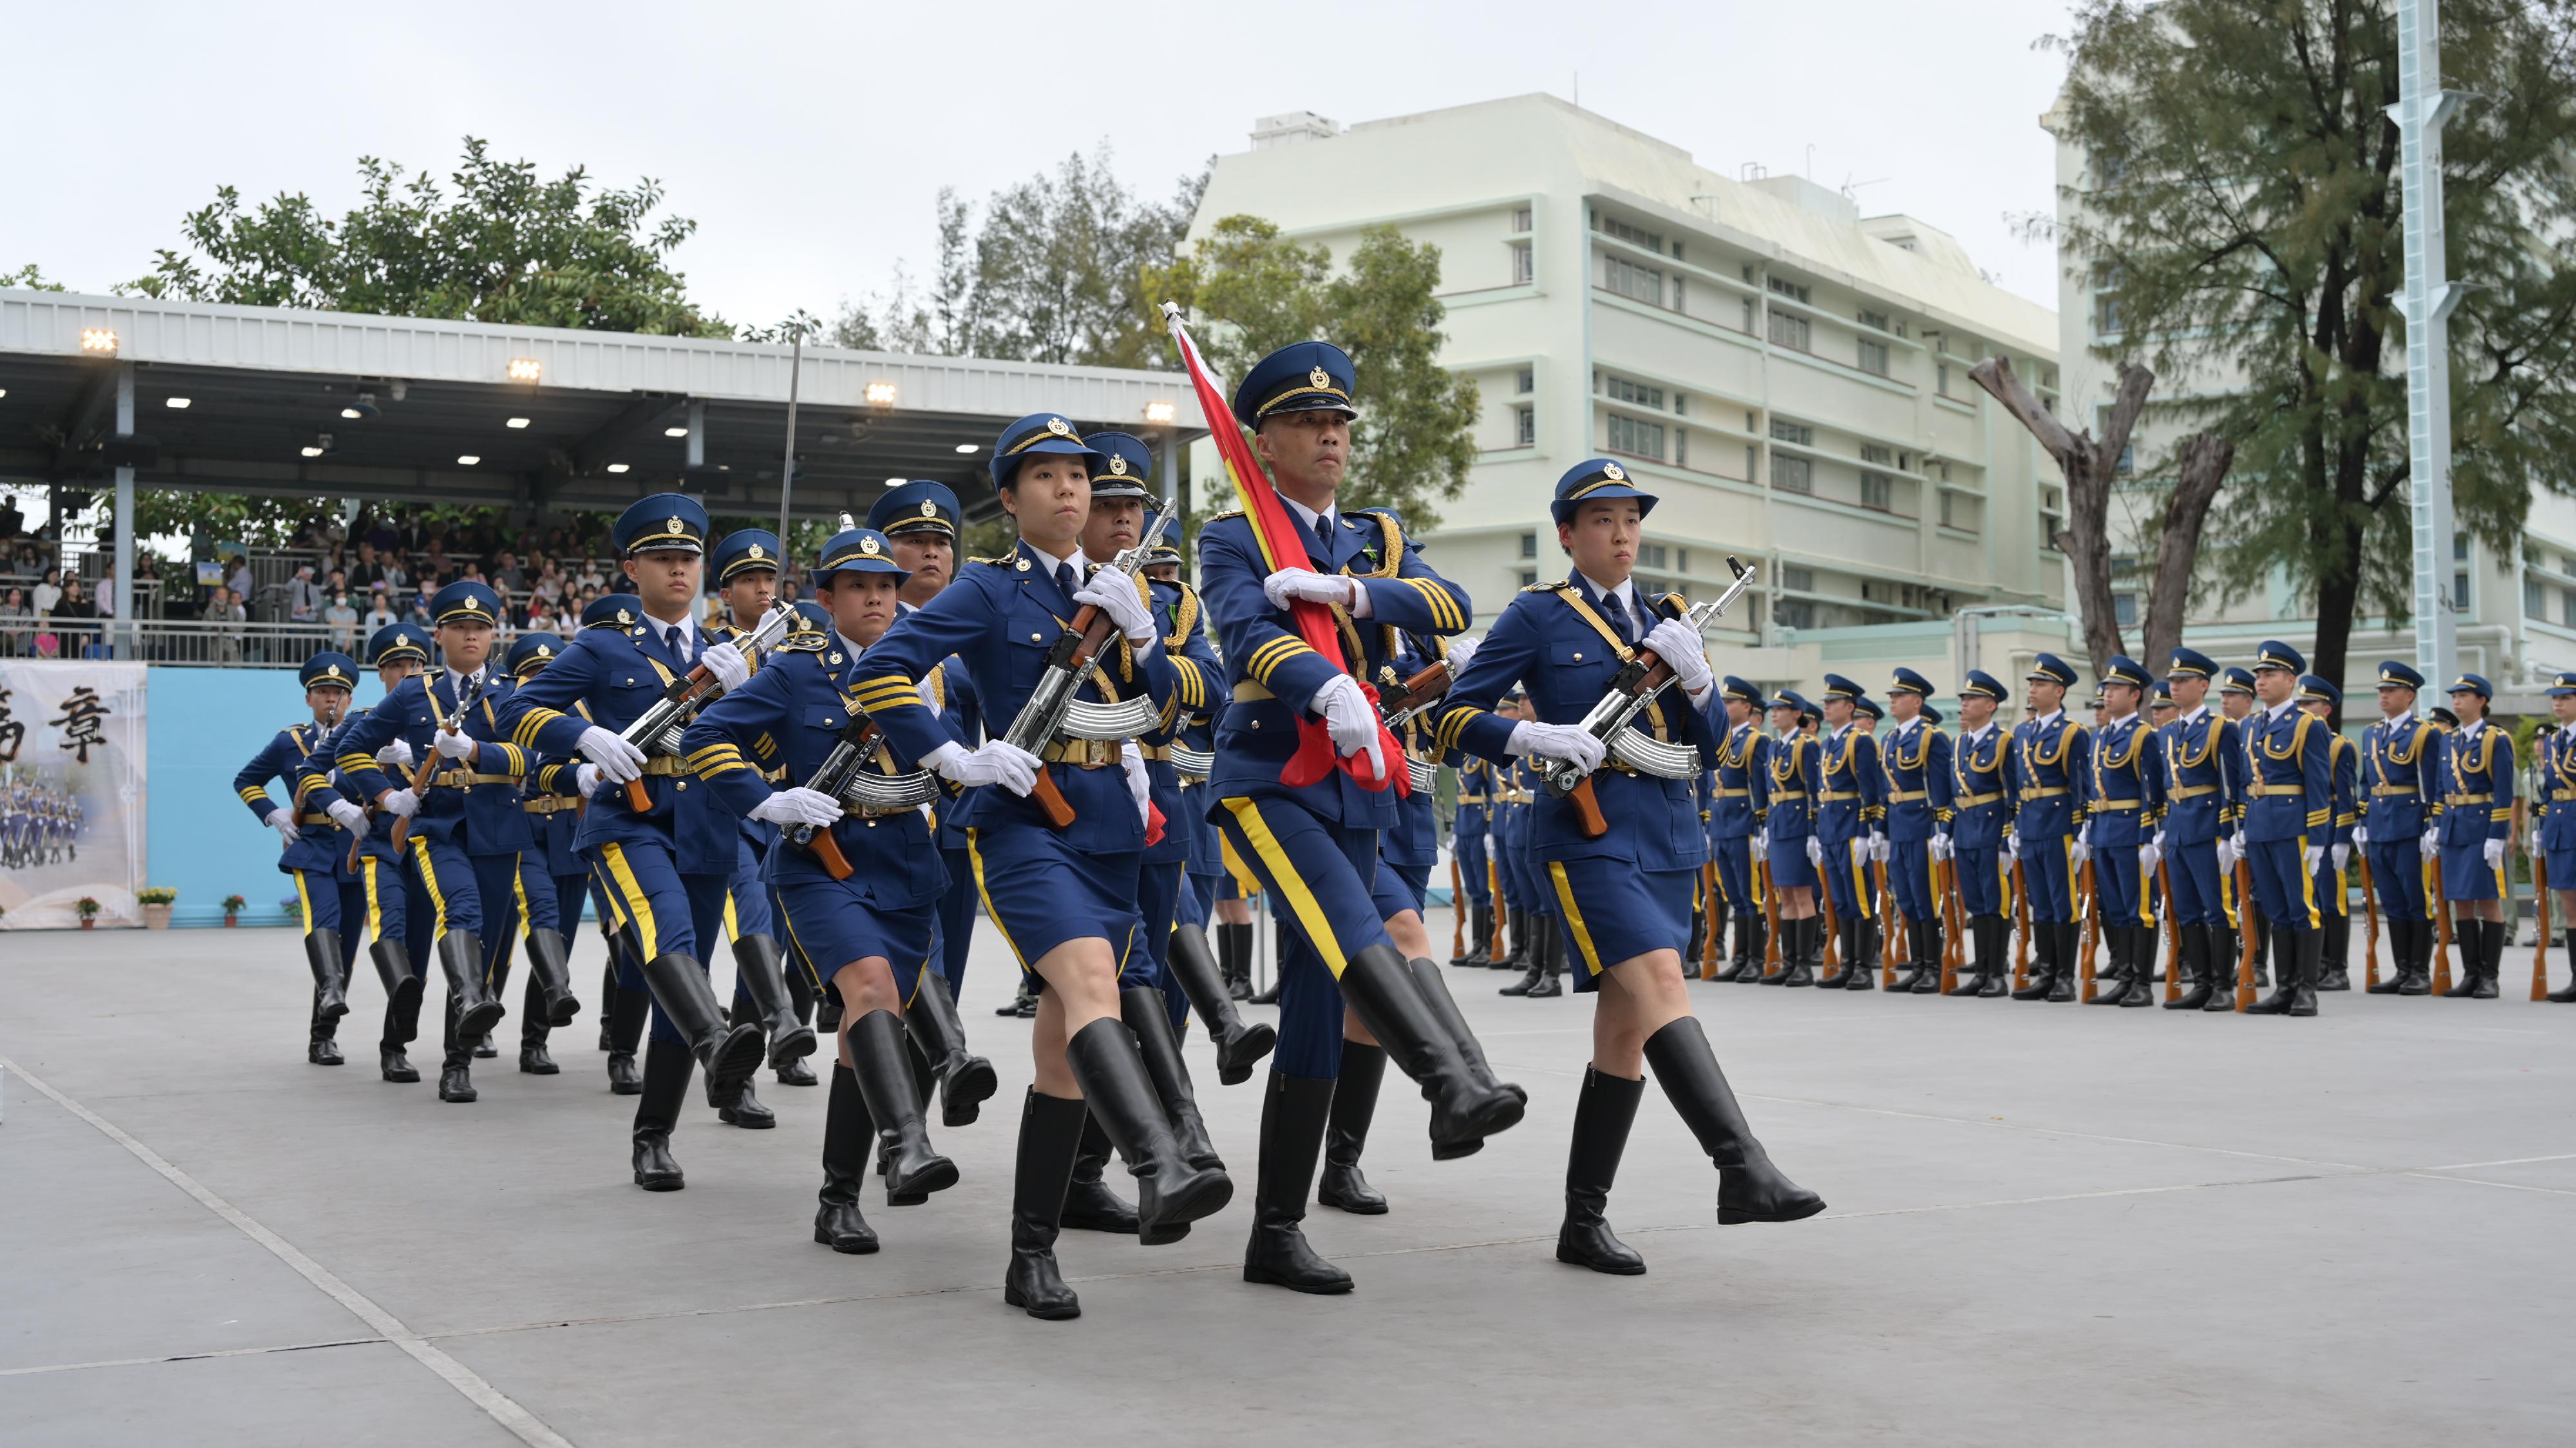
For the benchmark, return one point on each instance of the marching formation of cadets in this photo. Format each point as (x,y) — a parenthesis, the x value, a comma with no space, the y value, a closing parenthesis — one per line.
(666,773)
(39,825)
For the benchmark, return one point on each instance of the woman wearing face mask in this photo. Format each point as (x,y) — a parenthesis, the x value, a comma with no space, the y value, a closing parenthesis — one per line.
(1625,897)
(1064,900)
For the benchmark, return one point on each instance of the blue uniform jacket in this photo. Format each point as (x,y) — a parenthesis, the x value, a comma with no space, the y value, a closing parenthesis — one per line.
(1197,677)
(798,706)
(2477,784)
(284,758)
(618,674)
(1981,798)
(1740,801)
(2556,799)
(1553,642)
(1272,675)
(2052,762)
(2127,798)
(1414,838)
(2205,768)
(1797,762)
(2343,767)
(759,834)
(1916,760)
(475,806)
(2291,792)
(2401,778)
(999,619)
(1475,799)
(1851,801)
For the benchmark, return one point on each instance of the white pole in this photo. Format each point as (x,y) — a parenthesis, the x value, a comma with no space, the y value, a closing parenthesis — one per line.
(124,596)
(2421,109)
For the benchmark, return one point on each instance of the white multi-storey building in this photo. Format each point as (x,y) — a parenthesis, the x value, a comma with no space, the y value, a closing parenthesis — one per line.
(1790,376)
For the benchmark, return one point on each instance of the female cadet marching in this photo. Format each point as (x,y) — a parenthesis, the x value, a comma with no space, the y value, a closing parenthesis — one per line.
(1797,763)
(1063,899)
(856,897)
(327,891)
(398,651)
(1626,895)
(1315,846)
(665,868)
(553,880)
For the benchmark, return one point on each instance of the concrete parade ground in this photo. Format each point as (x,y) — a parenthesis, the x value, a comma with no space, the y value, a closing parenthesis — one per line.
(2047,1224)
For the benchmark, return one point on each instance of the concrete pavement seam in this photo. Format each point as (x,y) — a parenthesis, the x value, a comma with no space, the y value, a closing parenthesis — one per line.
(188,1357)
(499,1406)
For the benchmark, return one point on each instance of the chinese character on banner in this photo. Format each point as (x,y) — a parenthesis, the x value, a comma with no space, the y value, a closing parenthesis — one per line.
(80,722)
(12,733)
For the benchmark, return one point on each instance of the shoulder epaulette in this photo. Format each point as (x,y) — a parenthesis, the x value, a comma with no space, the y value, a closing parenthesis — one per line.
(803,643)
(1002,562)
(1678,604)
(1556,587)
(1221,517)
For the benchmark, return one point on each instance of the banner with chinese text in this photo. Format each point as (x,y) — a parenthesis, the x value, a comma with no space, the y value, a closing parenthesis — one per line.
(71,792)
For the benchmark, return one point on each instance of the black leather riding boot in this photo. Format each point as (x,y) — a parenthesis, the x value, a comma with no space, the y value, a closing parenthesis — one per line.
(1749,1187)
(2061,981)
(730,1052)
(1294,1112)
(848,1132)
(667,1066)
(2199,975)
(1603,1114)
(1346,1132)
(1149,1016)
(1239,1046)
(882,1061)
(1467,1103)
(966,1080)
(2490,959)
(761,970)
(460,955)
(627,1012)
(1444,1006)
(1234,956)
(1050,1136)
(1089,1204)
(1170,1191)
(330,983)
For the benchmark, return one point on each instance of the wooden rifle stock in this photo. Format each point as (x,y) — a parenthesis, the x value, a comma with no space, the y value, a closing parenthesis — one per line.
(1708,907)
(2370,917)
(1457,907)
(1427,684)
(2091,897)
(2441,927)
(2245,942)
(2172,932)
(2540,907)
(1945,884)
(1587,806)
(1494,892)
(2021,937)
(1770,919)
(1889,924)
(1092,628)
(419,786)
(1828,970)
(828,850)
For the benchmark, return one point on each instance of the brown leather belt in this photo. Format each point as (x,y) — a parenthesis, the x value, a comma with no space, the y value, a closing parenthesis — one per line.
(2050,792)
(2283,791)
(1725,793)
(1834,795)
(455,780)
(665,764)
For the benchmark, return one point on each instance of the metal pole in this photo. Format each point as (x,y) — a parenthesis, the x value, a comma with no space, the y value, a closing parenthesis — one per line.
(787,465)
(124,597)
(2429,297)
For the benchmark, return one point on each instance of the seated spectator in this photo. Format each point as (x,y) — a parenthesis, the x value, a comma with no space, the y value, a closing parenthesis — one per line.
(382,536)
(420,610)
(342,619)
(541,619)
(303,596)
(17,624)
(49,593)
(507,576)
(380,614)
(368,572)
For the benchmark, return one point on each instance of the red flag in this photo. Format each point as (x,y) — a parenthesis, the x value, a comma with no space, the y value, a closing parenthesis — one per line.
(1283,545)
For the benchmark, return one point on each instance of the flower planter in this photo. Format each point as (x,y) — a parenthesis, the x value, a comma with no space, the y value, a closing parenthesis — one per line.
(231,920)
(88,923)
(156,917)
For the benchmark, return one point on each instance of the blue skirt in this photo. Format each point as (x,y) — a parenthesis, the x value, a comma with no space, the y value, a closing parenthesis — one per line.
(1790,867)
(1614,911)
(2466,875)
(1041,892)
(832,924)
(1399,888)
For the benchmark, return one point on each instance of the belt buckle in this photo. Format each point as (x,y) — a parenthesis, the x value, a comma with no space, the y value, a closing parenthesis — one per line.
(1097,753)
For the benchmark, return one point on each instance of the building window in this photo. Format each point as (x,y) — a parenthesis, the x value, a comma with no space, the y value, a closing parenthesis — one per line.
(1635,393)
(1636,437)
(1633,235)
(1750,470)
(1529,545)
(1628,279)
(1790,330)
(1681,447)
(1882,455)
(2460,591)
(1528,577)
(1941,379)
(2459,547)
(1874,320)
(1527,381)
(1877,492)
(1797,580)
(1521,219)
(1873,357)
(1680,295)
(2567,607)
(1784,430)
(1524,427)
(2535,599)
(1653,555)
(1792,475)
(1794,613)
(1522,270)
(1950,512)
(2124,607)
(1748,316)
(1790,289)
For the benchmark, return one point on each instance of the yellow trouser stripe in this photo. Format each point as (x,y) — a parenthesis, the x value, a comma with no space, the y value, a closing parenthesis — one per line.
(1245,881)
(304,901)
(975,857)
(2308,887)
(1860,875)
(733,932)
(1292,888)
(813,972)
(1574,918)
(375,906)
(2146,899)
(630,891)
(437,897)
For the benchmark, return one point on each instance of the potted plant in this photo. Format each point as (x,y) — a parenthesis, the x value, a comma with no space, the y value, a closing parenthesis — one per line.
(232,910)
(88,909)
(156,900)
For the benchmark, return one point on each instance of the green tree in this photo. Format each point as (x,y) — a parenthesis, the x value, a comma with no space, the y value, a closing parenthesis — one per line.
(2241,210)
(29,278)
(496,243)
(1254,290)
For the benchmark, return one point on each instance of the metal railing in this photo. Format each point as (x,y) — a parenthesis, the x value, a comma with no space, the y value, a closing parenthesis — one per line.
(194,642)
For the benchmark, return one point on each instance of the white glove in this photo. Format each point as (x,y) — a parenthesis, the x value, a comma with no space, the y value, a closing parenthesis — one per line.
(1941,847)
(1306,583)
(618,760)
(351,818)
(454,744)
(1762,842)
(2084,836)
(997,761)
(2313,855)
(1115,596)
(726,662)
(2159,842)
(798,806)
(2361,834)
(2342,857)
(2148,854)
(282,820)
(2228,853)
(2011,850)
(1140,785)
(1461,649)
(2494,851)
(585,778)
(1350,720)
(1680,646)
(397,754)
(928,700)
(1558,741)
(400,803)
(2078,853)
(2431,843)
(1878,850)
(1815,852)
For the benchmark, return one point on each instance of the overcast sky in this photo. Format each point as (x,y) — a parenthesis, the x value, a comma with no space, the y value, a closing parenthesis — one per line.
(808,140)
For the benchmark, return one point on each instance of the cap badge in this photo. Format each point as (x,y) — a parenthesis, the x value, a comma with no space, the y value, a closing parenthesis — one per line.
(1614,472)
(929,509)
(868,546)
(625,617)
(1320,377)
(331,671)
(1118,465)
(758,552)
(1059,427)
(473,605)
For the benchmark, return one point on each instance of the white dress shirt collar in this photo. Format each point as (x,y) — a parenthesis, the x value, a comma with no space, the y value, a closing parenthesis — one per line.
(1332,513)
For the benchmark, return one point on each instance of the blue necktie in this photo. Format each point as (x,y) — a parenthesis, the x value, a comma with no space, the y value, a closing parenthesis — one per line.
(1324,534)
(1064,579)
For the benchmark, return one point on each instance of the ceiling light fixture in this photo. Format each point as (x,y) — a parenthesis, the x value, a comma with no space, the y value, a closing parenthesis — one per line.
(353,414)
(525,369)
(880,394)
(894,482)
(617,467)
(516,422)
(468,460)
(179,403)
(1159,412)
(966,447)
(311,451)
(97,339)
(675,432)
